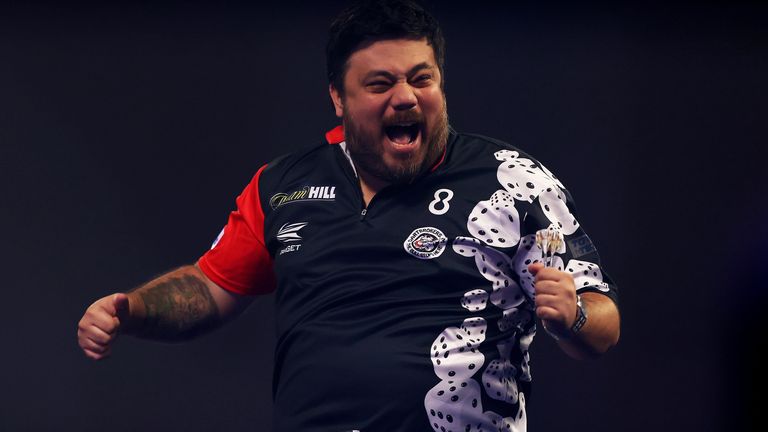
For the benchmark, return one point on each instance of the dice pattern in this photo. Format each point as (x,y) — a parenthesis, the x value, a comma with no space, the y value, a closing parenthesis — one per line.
(504,155)
(497,423)
(496,221)
(498,377)
(456,406)
(552,201)
(586,274)
(475,300)
(523,178)
(525,343)
(494,266)
(455,403)
(515,318)
(507,297)
(454,352)
(499,381)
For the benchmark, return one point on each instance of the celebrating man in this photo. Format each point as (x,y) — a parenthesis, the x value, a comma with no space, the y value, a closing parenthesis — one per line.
(410,262)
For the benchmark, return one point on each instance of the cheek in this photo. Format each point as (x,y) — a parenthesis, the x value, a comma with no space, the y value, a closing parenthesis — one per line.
(370,104)
(367,113)
(432,102)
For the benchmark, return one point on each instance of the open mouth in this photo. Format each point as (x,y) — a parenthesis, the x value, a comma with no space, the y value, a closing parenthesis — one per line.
(402,133)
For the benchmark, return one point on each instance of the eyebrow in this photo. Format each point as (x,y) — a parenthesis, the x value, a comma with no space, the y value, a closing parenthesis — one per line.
(390,75)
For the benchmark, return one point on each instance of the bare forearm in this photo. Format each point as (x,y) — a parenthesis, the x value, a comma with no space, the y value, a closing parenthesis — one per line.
(601,331)
(176,306)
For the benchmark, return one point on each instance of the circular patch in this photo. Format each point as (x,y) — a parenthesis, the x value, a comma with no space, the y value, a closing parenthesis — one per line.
(425,243)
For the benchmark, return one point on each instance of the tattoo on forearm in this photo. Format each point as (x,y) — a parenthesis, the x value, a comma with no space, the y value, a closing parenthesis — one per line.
(178,308)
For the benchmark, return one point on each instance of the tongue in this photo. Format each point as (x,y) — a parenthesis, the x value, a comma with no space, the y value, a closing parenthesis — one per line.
(399,134)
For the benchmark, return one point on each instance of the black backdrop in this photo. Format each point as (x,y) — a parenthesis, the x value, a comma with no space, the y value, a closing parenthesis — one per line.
(127,129)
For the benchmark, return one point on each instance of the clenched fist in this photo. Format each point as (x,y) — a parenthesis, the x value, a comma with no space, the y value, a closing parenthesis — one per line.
(99,326)
(555,298)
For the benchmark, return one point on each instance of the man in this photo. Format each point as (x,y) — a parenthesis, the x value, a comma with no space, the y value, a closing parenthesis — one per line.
(403,256)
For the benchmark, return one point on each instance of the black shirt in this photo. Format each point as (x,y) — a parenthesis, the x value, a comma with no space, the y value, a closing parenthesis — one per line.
(417,311)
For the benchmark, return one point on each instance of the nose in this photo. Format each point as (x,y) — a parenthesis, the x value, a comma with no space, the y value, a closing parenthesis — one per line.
(403,97)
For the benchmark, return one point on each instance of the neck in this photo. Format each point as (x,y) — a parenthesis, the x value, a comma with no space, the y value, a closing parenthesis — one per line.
(370,185)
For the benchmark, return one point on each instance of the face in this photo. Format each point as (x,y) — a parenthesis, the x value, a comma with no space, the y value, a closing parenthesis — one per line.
(393,109)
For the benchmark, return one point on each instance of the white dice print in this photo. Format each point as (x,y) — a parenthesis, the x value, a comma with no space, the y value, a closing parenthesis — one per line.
(496,267)
(492,264)
(503,155)
(505,347)
(497,423)
(454,405)
(499,381)
(525,366)
(475,327)
(454,353)
(523,178)
(507,297)
(496,221)
(495,224)
(514,318)
(475,300)
(466,246)
(552,201)
(586,274)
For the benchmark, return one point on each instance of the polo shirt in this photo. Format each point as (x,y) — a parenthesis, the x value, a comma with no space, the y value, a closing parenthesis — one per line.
(415,312)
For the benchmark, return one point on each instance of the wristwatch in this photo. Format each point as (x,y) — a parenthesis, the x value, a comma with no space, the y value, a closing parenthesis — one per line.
(581,319)
(581,315)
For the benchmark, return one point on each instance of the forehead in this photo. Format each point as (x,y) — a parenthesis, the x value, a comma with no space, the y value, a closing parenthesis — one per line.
(396,56)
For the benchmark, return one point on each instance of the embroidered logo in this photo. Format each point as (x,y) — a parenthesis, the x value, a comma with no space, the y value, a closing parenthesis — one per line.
(580,246)
(307,193)
(425,243)
(290,232)
(288,235)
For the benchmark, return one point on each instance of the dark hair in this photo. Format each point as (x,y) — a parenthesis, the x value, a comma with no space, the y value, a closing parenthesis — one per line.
(373,20)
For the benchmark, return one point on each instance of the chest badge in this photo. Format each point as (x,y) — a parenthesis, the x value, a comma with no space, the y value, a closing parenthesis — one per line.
(426,243)
(288,235)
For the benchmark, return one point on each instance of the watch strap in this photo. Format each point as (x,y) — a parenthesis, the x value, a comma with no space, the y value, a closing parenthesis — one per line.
(581,315)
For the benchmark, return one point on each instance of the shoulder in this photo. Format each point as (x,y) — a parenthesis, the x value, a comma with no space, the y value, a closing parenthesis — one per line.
(473,139)
(508,161)
(303,166)
(304,159)
(308,160)
(471,145)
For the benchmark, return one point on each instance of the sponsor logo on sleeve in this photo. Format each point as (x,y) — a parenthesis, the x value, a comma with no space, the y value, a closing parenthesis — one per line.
(307,193)
(288,234)
(425,243)
(580,246)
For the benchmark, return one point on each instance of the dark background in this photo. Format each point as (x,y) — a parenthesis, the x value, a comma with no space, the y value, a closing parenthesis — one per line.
(127,129)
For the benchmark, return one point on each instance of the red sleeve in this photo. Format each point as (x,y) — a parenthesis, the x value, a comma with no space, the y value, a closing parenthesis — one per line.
(239,260)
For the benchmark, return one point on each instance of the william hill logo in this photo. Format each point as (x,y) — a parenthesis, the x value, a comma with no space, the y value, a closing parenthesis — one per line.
(308,193)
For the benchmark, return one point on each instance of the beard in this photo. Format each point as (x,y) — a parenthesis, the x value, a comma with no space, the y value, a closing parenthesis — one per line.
(368,155)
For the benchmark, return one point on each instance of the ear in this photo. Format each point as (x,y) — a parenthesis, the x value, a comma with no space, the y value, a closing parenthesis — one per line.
(338,104)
